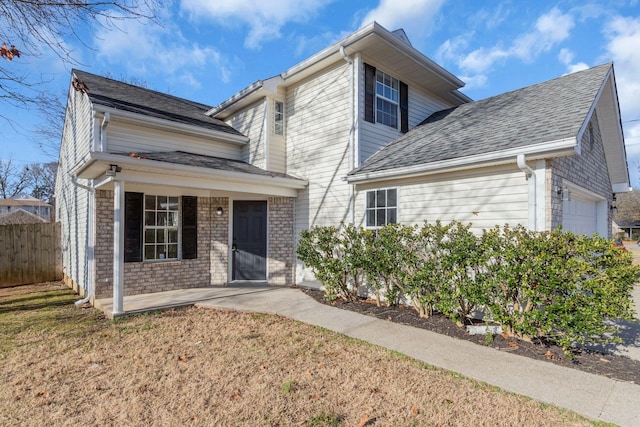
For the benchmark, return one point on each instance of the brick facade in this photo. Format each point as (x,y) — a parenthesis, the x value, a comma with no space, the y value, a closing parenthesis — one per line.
(147,277)
(281,257)
(587,169)
(211,267)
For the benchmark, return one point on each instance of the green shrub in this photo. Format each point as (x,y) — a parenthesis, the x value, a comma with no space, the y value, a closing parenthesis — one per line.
(553,285)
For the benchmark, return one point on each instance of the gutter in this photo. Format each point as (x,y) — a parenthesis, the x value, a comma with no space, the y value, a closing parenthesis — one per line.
(90,242)
(352,141)
(197,171)
(531,177)
(547,149)
(103,131)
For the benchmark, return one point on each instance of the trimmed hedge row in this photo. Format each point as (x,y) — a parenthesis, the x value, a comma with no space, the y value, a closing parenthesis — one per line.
(553,285)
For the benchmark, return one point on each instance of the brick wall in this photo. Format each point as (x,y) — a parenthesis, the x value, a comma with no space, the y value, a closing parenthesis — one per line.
(281,257)
(146,277)
(588,170)
(219,249)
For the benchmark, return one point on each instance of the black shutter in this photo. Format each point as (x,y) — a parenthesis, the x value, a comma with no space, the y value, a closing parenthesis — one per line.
(189,227)
(369,93)
(133,215)
(404,107)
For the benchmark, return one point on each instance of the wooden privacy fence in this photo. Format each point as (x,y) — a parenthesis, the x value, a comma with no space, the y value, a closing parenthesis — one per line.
(30,253)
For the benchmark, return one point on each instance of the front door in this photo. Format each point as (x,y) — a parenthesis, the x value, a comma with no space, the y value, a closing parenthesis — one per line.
(249,249)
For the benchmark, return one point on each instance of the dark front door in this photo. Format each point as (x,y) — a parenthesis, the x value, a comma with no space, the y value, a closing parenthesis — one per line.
(249,248)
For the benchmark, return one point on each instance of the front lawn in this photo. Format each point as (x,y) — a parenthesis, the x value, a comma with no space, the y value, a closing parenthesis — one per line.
(64,365)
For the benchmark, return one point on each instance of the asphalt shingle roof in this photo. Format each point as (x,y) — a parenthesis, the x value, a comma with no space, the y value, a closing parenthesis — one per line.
(209,162)
(122,96)
(545,112)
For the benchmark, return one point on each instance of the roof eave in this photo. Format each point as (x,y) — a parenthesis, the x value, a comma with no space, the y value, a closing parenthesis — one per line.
(95,165)
(558,148)
(329,55)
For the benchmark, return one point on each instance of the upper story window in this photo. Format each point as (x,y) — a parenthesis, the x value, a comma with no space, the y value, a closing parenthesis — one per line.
(386,99)
(160,227)
(387,91)
(278,118)
(382,207)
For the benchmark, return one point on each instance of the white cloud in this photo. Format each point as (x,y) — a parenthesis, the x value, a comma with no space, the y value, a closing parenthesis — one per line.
(549,30)
(264,18)
(414,16)
(623,47)
(144,49)
(566,57)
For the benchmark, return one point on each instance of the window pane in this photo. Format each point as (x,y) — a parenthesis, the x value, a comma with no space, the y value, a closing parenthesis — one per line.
(371,199)
(162,251)
(391,198)
(162,219)
(173,235)
(150,202)
(149,252)
(172,219)
(371,218)
(150,218)
(161,236)
(380,217)
(173,204)
(172,251)
(150,236)
(392,216)
(381,198)
(162,203)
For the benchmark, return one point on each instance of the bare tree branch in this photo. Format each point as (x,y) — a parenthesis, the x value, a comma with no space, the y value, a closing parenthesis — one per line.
(33,25)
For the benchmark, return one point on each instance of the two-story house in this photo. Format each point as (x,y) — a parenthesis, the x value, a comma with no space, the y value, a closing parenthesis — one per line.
(157,193)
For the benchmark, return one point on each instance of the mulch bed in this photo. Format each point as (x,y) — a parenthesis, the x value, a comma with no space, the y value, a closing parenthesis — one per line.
(613,366)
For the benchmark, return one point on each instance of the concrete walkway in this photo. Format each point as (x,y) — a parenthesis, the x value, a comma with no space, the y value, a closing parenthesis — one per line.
(592,396)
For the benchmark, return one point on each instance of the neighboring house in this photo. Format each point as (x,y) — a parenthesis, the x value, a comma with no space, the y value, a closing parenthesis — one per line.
(156,192)
(27,204)
(20,216)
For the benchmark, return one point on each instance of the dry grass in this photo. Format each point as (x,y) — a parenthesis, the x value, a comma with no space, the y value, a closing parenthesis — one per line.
(62,365)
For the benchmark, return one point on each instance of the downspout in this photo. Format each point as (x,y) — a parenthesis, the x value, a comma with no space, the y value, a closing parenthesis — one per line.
(90,241)
(103,131)
(531,178)
(352,142)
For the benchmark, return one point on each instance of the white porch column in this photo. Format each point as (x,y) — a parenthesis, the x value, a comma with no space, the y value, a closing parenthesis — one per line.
(118,246)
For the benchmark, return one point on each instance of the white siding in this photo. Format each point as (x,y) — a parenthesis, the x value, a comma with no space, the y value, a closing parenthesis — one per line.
(251,123)
(125,138)
(72,201)
(374,136)
(317,129)
(484,197)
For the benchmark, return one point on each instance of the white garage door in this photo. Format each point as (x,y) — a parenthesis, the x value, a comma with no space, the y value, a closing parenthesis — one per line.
(579,215)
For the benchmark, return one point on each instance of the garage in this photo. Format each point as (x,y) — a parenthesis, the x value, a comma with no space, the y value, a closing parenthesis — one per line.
(584,214)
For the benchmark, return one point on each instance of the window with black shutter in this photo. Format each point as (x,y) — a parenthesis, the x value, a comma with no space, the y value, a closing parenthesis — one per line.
(385,99)
(189,227)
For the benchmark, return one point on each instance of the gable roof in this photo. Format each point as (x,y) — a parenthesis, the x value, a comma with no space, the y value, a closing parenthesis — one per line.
(390,49)
(116,96)
(543,119)
(20,216)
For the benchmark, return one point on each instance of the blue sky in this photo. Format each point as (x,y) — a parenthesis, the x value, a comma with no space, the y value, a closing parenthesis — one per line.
(207,50)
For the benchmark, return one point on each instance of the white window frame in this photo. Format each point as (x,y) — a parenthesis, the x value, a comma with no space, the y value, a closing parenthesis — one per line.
(388,93)
(171,222)
(278,117)
(378,207)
